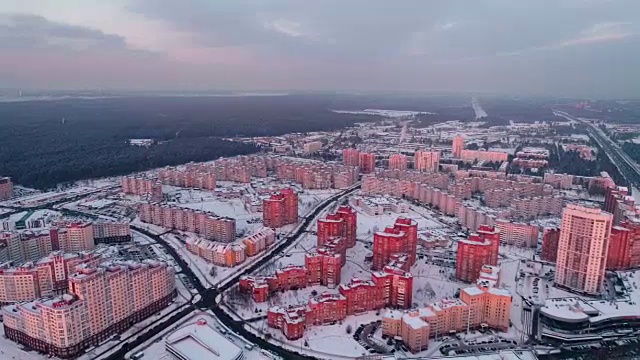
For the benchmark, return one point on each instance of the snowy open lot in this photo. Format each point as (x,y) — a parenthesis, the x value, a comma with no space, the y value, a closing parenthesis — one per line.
(327,342)
(12,351)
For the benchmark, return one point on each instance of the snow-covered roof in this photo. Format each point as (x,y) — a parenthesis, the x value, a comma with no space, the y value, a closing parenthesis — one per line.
(393,314)
(199,340)
(414,322)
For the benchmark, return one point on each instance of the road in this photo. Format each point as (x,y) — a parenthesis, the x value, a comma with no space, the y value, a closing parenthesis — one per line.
(209,295)
(627,167)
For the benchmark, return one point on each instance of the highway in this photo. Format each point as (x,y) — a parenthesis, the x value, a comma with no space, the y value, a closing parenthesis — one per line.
(209,295)
(627,167)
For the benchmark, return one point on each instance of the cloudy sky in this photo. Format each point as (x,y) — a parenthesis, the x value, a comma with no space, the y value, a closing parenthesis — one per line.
(570,47)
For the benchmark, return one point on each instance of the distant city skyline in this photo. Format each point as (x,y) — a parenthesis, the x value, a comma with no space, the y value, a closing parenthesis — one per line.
(577,48)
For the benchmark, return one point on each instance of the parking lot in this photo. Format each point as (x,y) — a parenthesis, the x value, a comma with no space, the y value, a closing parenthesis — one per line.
(473,347)
(364,336)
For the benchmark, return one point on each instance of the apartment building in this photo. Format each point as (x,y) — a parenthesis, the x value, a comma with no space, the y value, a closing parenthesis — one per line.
(398,162)
(624,245)
(6,188)
(220,254)
(351,157)
(280,209)
(19,284)
(259,241)
(326,308)
(558,181)
(291,320)
(324,265)
(479,249)
(550,240)
(111,232)
(479,305)
(342,223)
(207,225)
(102,301)
(312,147)
(198,177)
(367,162)
(397,285)
(582,248)
(517,234)
(457,146)
(362,296)
(138,185)
(481,155)
(401,238)
(426,161)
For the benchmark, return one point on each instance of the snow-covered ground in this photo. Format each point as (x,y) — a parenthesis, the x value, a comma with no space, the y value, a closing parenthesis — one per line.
(13,351)
(36,199)
(326,342)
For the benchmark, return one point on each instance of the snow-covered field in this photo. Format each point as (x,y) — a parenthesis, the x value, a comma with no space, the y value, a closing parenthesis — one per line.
(327,342)
(13,351)
(35,199)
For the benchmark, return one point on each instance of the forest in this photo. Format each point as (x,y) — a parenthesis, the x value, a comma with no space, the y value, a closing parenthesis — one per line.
(46,143)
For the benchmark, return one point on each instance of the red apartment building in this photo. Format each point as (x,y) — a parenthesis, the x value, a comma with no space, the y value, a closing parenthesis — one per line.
(351,157)
(290,320)
(624,246)
(367,163)
(362,296)
(288,278)
(396,285)
(400,238)
(6,188)
(326,308)
(256,286)
(398,162)
(324,266)
(280,209)
(478,250)
(550,239)
(343,223)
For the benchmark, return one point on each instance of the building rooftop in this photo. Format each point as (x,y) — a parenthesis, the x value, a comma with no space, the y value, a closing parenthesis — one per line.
(199,340)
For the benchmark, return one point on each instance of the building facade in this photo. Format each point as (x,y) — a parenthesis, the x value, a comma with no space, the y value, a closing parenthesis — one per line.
(582,248)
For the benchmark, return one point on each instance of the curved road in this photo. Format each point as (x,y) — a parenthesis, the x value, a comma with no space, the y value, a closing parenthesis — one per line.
(208,295)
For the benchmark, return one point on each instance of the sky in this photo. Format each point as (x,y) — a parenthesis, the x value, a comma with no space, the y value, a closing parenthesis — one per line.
(588,48)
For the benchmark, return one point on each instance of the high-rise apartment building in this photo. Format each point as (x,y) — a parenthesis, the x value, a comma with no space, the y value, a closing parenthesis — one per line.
(138,185)
(351,157)
(398,162)
(79,238)
(101,301)
(367,163)
(582,248)
(426,161)
(343,223)
(550,239)
(458,146)
(111,232)
(479,249)
(6,188)
(397,286)
(280,209)
(401,238)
